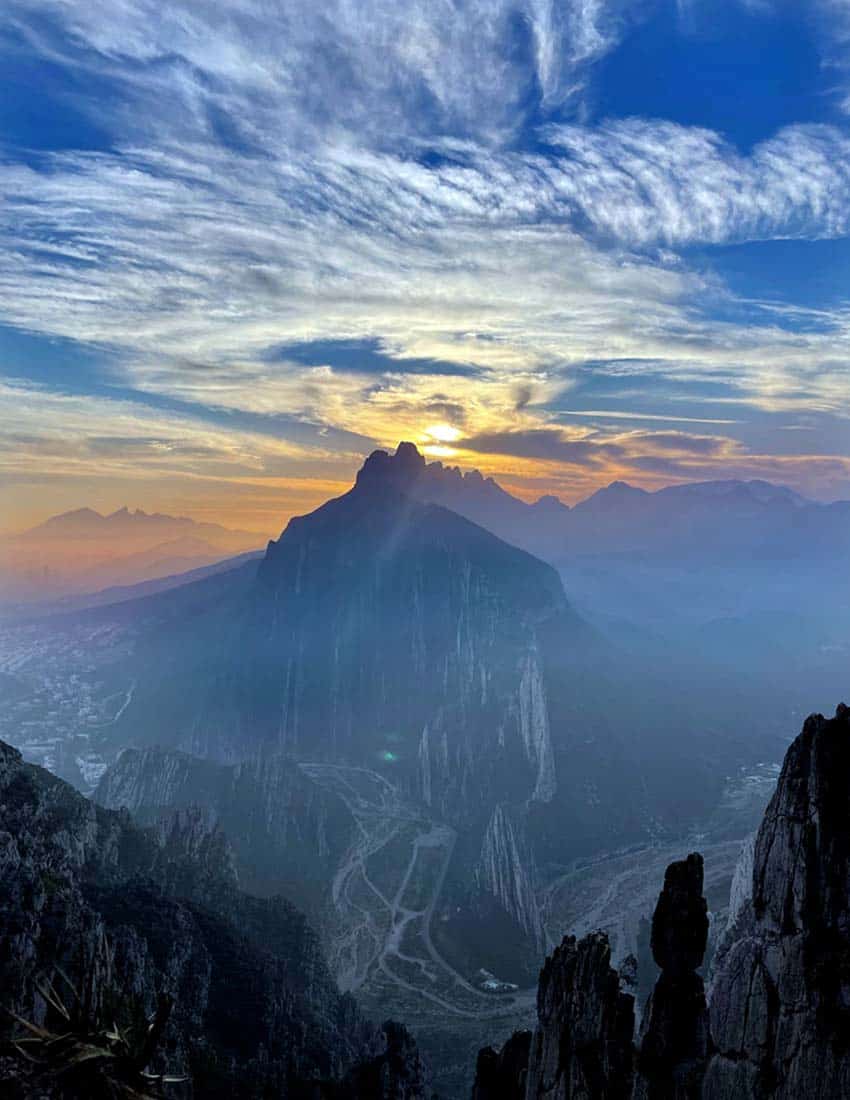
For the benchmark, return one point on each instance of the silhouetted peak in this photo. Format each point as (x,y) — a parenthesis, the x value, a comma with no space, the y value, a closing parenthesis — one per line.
(407,455)
(386,471)
(675,1039)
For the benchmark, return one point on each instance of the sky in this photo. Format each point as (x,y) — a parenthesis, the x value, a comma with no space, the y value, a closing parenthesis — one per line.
(242,244)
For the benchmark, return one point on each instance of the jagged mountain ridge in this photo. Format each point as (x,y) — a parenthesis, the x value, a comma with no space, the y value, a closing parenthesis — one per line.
(256,1011)
(712,518)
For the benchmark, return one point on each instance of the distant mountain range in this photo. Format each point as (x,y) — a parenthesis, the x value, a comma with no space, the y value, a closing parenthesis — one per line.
(717,520)
(737,572)
(716,523)
(83,551)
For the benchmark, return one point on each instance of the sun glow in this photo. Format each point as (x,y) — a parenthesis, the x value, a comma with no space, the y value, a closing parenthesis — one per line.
(442,433)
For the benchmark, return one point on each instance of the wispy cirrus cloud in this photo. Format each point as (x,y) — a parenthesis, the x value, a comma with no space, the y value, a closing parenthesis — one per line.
(258,74)
(193,264)
(424,177)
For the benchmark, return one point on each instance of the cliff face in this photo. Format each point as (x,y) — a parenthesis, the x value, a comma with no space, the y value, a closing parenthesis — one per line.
(383,634)
(152,912)
(505,870)
(780,1004)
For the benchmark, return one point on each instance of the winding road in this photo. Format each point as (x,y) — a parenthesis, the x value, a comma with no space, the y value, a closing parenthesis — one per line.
(382,930)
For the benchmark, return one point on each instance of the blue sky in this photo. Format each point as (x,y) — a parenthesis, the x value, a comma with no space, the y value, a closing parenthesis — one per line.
(565,242)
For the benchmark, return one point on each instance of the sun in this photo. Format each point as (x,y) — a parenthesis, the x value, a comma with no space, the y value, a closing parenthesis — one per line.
(442,433)
(437,439)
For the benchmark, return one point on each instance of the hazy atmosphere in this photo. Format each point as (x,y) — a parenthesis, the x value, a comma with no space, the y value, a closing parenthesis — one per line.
(424,532)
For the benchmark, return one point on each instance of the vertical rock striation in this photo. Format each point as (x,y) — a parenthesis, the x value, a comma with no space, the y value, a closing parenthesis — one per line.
(780,1005)
(505,871)
(675,1040)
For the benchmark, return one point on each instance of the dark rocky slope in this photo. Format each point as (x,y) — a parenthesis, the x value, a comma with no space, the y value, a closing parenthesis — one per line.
(287,833)
(151,912)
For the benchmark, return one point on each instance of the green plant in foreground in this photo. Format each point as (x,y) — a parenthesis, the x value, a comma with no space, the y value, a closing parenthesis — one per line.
(83,1054)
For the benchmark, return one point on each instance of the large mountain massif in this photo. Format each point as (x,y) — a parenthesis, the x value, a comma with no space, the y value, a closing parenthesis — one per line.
(393,636)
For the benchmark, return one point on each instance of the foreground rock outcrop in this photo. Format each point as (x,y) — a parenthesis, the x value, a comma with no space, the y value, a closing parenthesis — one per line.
(502,1074)
(777,1025)
(134,915)
(780,1002)
(582,1044)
